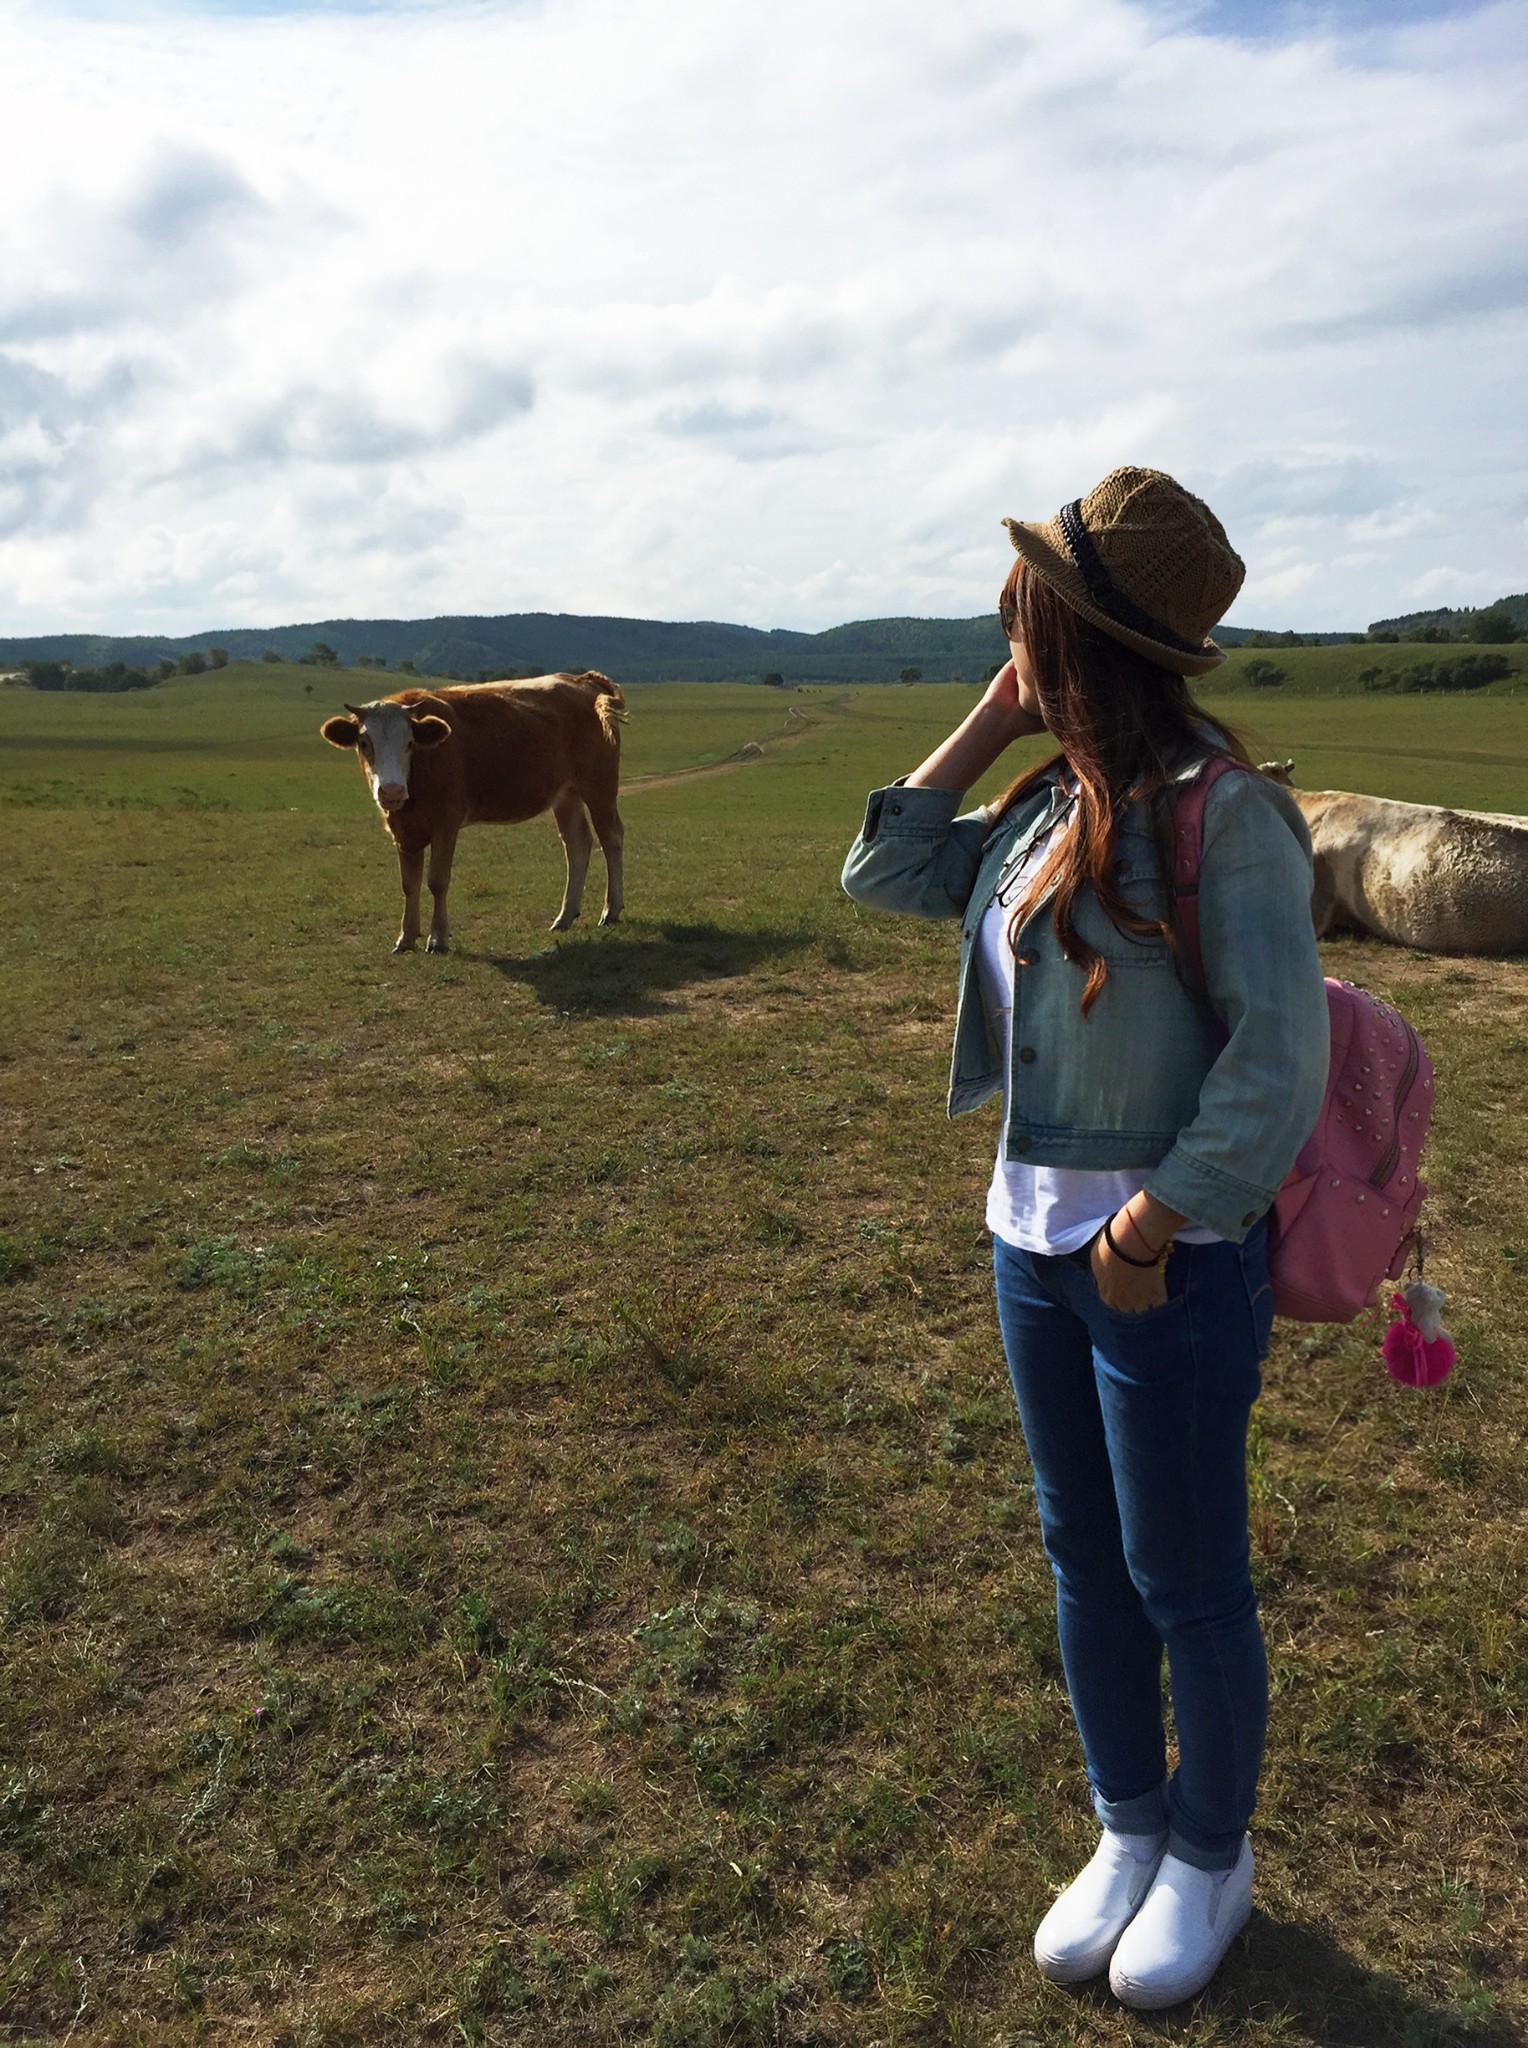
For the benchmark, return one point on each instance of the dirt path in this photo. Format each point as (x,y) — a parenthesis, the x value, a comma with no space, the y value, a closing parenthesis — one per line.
(1465,754)
(798,724)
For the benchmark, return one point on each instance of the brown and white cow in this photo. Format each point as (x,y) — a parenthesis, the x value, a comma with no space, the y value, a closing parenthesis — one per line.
(492,754)
(1440,880)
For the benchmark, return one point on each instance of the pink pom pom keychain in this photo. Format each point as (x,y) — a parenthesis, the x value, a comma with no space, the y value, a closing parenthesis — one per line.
(1418,1351)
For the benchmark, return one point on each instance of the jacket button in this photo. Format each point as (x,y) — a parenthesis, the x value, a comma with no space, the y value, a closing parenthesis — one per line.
(1021,1144)
(1027,958)
(1027,1055)
(896,810)
(1249,1219)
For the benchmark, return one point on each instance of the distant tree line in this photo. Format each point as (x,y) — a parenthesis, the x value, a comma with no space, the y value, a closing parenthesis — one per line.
(1465,672)
(1494,625)
(514,645)
(1258,638)
(118,675)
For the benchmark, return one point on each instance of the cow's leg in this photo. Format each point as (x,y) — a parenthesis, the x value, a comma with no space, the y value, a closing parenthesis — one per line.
(577,843)
(1324,905)
(442,852)
(411,874)
(612,837)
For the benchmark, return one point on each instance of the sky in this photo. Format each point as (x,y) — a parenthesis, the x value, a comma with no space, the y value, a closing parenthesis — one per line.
(676,309)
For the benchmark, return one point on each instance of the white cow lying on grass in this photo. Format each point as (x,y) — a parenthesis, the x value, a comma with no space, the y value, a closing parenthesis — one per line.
(1442,881)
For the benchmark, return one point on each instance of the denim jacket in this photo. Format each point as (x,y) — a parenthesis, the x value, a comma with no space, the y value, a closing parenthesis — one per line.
(1214,1116)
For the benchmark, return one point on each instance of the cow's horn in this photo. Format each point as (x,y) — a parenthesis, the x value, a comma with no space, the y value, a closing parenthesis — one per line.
(356,709)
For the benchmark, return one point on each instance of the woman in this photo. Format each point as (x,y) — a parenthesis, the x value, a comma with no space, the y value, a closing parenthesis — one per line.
(1147,1124)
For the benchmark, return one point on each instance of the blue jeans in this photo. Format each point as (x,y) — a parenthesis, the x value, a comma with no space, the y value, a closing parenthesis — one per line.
(1137,1432)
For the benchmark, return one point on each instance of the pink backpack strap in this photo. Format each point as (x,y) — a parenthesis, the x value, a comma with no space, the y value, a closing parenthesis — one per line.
(1188,855)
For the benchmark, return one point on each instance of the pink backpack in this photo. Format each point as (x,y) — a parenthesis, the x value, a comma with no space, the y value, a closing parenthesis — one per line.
(1346,1215)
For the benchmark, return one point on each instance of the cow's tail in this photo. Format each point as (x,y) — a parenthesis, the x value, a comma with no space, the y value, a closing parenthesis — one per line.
(609,704)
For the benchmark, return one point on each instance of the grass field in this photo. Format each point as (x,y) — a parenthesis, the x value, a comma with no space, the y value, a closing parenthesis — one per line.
(512,1528)
(1340,671)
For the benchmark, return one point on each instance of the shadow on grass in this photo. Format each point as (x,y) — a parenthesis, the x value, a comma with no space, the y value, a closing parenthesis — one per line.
(627,974)
(1292,1969)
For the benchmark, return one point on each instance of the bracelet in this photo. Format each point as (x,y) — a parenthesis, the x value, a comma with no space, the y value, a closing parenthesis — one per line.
(1145,1265)
(1154,1251)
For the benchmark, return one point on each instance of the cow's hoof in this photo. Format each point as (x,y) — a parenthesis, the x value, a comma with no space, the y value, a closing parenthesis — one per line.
(404,946)
(611,917)
(561,924)
(433,945)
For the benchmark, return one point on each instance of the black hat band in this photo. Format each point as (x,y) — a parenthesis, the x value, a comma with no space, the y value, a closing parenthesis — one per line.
(1106,593)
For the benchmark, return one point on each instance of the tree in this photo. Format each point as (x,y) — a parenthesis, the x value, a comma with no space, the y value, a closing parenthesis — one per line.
(1263,675)
(406,667)
(270,654)
(320,655)
(371,661)
(192,664)
(773,681)
(218,656)
(166,669)
(1494,627)
(911,675)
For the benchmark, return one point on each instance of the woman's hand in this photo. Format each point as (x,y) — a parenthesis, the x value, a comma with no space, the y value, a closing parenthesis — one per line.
(989,728)
(1128,1290)
(1003,696)
(1142,1223)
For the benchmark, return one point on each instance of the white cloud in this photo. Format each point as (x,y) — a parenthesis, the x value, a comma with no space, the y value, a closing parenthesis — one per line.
(658,307)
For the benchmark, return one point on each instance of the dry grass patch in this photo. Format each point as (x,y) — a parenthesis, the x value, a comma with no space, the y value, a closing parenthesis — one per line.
(512,1527)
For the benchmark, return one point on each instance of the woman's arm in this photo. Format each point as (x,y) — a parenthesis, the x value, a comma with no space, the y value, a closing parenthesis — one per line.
(913,854)
(1264,981)
(985,733)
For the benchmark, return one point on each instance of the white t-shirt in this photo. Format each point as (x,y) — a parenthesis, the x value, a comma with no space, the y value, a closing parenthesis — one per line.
(1042,1208)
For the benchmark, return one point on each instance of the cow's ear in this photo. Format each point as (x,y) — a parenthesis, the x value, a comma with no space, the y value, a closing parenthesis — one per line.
(341,732)
(429,731)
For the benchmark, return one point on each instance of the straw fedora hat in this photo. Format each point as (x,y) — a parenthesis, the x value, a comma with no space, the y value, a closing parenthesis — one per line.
(1145,560)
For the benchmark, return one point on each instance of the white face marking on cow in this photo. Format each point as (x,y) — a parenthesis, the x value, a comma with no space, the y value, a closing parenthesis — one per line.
(390,739)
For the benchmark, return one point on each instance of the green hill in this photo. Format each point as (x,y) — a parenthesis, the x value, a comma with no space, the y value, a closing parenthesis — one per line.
(534,643)
(1453,620)
(1361,670)
(644,650)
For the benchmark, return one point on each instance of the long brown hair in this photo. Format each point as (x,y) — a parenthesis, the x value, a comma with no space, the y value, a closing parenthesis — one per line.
(1125,726)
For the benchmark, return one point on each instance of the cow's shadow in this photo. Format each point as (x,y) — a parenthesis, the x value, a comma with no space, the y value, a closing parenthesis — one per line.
(630,973)
(1297,1971)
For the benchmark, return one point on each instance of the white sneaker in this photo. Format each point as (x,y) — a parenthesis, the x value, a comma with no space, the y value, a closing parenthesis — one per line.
(1174,1944)
(1077,1936)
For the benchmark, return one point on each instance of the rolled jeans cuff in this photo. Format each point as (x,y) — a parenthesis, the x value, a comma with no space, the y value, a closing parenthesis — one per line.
(1201,1858)
(1146,1814)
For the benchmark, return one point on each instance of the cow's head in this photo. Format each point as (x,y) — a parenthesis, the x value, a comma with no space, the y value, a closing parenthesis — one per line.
(1278,771)
(385,734)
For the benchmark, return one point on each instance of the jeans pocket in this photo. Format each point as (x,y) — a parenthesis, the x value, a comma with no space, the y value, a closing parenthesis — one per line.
(1152,1349)
(1260,1303)
(1141,1318)
(1258,1287)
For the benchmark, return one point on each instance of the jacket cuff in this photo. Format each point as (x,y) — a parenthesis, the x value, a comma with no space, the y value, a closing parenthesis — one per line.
(1206,1196)
(898,812)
